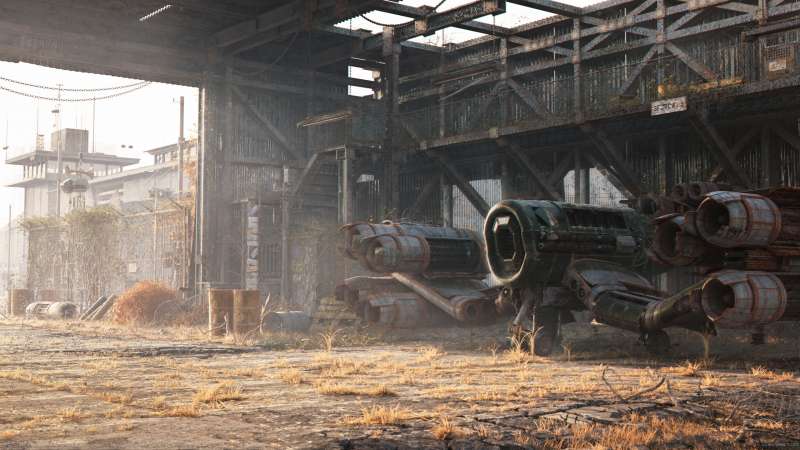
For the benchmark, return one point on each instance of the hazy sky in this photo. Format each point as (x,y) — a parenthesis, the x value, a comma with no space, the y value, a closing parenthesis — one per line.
(147,118)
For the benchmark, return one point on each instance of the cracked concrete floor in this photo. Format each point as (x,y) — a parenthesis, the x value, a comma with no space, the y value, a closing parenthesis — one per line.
(63,387)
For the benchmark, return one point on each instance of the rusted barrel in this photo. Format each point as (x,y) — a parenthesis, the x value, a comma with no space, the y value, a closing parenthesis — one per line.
(246,311)
(738,299)
(735,219)
(18,300)
(220,310)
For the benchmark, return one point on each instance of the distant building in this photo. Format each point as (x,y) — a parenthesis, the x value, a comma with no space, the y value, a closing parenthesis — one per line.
(40,170)
(137,185)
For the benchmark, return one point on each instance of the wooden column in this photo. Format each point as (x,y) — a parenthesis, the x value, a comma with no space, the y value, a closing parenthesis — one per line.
(447,201)
(576,71)
(390,189)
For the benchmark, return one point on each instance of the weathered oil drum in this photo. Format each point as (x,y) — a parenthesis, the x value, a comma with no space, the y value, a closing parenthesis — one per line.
(297,321)
(19,299)
(220,310)
(738,299)
(62,310)
(735,219)
(246,311)
(57,310)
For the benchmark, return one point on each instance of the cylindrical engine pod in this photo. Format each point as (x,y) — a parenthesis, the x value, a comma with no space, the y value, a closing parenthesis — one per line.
(393,253)
(735,219)
(413,248)
(532,241)
(697,190)
(737,299)
(673,242)
(416,254)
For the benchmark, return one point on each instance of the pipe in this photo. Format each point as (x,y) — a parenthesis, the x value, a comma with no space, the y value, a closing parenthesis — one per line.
(462,306)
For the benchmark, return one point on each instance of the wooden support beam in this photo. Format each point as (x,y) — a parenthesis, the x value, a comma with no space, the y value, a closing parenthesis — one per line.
(414,12)
(538,177)
(311,165)
(741,143)
(697,66)
(550,6)
(463,184)
(603,168)
(262,23)
(558,173)
(634,75)
(491,98)
(271,128)
(529,99)
(684,19)
(786,135)
(717,145)
(408,129)
(430,187)
(617,164)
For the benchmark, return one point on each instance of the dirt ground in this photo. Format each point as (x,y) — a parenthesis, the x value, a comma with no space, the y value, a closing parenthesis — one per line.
(73,385)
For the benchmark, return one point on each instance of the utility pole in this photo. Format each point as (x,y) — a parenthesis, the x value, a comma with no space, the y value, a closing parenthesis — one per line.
(60,164)
(8,266)
(180,155)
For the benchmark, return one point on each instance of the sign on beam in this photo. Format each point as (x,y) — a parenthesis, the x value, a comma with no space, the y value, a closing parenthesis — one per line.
(668,106)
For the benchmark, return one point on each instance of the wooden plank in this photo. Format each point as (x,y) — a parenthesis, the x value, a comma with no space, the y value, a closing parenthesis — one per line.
(539,178)
(618,166)
(456,178)
(551,6)
(428,189)
(697,66)
(735,150)
(714,141)
(273,130)
(529,99)
(634,75)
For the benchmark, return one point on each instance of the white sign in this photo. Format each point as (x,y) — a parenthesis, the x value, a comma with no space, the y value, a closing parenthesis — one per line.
(668,106)
(777,65)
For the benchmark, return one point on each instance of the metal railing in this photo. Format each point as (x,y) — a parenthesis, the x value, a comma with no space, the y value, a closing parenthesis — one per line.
(598,92)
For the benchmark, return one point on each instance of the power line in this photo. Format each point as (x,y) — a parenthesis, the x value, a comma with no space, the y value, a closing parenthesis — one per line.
(87,99)
(51,88)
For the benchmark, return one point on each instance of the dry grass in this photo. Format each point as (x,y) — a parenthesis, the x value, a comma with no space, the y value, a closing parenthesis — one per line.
(328,339)
(445,429)
(690,369)
(221,392)
(380,415)
(340,368)
(111,397)
(766,374)
(281,363)
(345,389)
(517,353)
(69,414)
(146,302)
(429,354)
(8,434)
(244,372)
(190,410)
(159,402)
(292,376)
